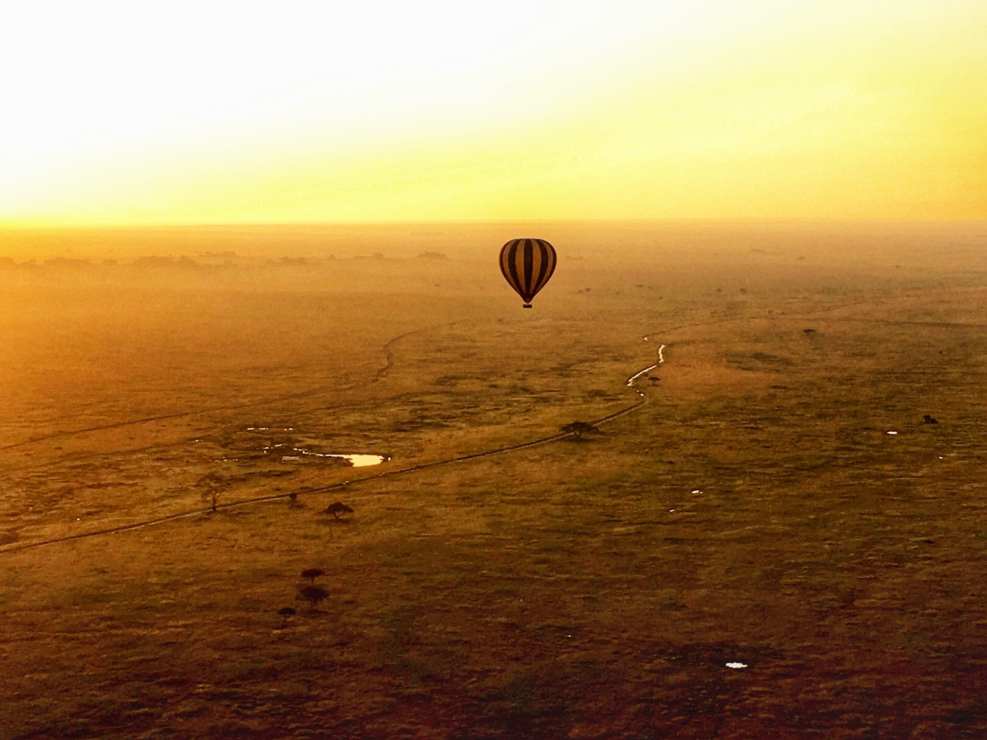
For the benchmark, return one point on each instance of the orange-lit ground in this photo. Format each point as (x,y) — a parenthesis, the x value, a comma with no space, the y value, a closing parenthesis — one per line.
(756,510)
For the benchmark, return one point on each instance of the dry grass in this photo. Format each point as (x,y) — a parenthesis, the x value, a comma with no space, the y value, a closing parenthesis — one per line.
(578,590)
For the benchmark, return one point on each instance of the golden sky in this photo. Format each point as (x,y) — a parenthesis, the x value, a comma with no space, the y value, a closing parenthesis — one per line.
(216,112)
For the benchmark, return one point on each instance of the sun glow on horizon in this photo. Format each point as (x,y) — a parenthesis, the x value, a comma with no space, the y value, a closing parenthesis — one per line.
(127,113)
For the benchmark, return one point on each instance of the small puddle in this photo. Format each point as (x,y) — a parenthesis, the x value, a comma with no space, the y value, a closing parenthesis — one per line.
(356,459)
(361,460)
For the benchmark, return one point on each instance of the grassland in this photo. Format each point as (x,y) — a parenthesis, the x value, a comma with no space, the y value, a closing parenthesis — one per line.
(755,509)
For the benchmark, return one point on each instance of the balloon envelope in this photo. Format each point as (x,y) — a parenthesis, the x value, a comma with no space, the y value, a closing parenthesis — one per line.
(527,265)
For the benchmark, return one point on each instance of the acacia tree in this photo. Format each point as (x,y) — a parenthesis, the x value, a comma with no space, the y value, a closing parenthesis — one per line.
(314,595)
(212,486)
(285,613)
(337,509)
(579,429)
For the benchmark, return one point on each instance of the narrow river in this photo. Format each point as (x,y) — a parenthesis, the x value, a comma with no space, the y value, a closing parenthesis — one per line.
(661,361)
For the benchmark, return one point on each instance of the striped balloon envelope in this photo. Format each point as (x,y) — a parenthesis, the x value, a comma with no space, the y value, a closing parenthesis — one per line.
(527,265)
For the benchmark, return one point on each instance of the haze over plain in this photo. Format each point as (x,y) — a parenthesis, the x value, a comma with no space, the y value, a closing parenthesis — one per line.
(244,245)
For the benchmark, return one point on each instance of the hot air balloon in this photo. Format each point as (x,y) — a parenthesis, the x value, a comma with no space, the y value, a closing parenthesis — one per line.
(527,265)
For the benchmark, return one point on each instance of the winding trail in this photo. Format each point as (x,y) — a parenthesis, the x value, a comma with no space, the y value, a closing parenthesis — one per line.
(630,381)
(548,439)
(387,349)
(389,363)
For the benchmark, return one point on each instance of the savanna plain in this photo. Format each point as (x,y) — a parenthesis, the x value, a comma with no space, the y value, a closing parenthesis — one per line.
(777,531)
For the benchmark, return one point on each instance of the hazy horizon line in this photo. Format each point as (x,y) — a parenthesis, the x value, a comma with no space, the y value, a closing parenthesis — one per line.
(122,226)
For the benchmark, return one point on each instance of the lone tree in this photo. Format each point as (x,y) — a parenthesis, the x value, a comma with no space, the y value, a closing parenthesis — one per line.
(337,509)
(312,573)
(579,429)
(285,613)
(929,419)
(314,595)
(212,486)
